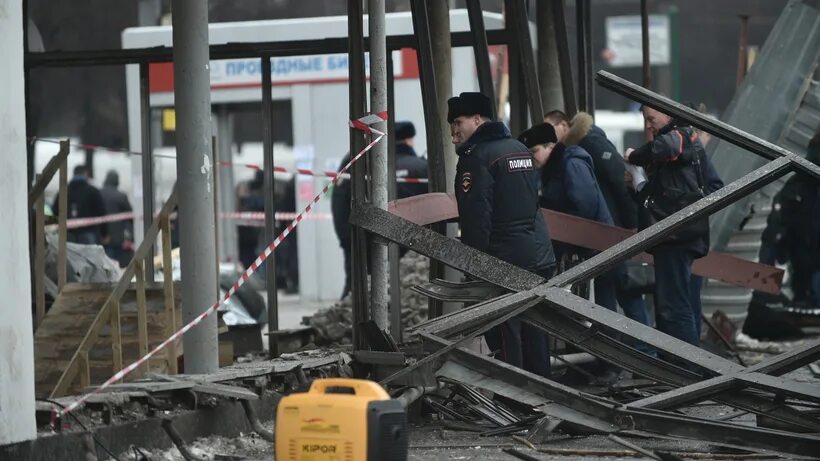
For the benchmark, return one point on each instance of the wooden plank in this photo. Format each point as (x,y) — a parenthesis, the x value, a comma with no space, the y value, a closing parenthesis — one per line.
(85,370)
(94,331)
(168,291)
(39,258)
(48,173)
(142,321)
(116,337)
(62,233)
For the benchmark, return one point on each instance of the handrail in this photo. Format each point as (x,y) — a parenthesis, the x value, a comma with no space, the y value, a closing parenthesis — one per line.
(103,315)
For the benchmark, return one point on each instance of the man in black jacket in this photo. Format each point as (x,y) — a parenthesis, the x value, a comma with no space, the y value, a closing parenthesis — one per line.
(84,201)
(674,162)
(408,166)
(609,171)
(497,193)
(121,233)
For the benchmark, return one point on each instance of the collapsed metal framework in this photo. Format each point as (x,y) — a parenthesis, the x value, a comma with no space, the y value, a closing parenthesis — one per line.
(696,374)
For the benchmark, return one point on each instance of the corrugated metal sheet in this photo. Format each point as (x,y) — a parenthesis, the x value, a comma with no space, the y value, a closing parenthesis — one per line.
(779,101)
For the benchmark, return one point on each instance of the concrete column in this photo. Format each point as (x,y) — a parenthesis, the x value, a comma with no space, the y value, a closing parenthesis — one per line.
(549,73)
(192,94)
(16,339)
(378,159)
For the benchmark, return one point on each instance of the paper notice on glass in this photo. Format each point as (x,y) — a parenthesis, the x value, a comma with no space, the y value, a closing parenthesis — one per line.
(638,176)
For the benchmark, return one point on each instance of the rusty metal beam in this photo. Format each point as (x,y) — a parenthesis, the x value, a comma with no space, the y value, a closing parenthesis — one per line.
(429,208)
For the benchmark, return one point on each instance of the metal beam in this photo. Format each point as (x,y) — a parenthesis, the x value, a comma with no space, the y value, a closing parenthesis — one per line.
(625,418)
(475,319)
(586,89)
(698,120)
(521,28)
(270,205)
(432,123)
(429,208)
(776,365)
(564,62)
(357,91)
(147,162)
(481,51)
(441,248)
(113,57)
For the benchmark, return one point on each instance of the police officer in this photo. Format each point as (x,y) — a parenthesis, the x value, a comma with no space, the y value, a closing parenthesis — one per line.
(408,165)
(496,187)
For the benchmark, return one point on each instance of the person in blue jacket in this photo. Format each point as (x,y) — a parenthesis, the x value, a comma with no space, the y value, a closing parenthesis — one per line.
(569,185)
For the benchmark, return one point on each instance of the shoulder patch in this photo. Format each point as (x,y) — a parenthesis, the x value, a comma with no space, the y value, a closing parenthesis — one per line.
(606,155)
(516,164)
(466,182)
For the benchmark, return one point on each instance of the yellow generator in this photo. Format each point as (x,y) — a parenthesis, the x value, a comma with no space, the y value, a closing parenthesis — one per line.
(341,420)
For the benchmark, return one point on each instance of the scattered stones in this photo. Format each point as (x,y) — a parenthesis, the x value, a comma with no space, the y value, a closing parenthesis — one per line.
(334,325)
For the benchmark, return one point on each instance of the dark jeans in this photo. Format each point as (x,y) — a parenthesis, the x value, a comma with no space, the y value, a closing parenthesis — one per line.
(674,312)
(520,344)
(694,299)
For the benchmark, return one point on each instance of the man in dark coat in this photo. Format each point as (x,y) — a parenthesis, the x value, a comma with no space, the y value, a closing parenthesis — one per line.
(120,233)
(798,241)
(84,201)
(408,166)
(674,162)
(496,187)
(568,185)
(609,172)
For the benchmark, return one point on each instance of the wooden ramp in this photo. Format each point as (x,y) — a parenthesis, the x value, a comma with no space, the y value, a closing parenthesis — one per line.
(68,321)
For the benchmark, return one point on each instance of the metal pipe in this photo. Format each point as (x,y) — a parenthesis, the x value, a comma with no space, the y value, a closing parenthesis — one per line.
(647,70)
(192,96)
(578,358)
(549,71)
(586,98)
(257,426)
(147,161)
(392,248)
(564,63)
(227,196)
(270,205)
(378,159)
(412,394)
(357,90)
(521,26)
(169,428)
(481,51)
(435,157)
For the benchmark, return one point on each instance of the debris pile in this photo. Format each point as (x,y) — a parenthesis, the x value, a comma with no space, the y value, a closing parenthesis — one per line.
(334,325)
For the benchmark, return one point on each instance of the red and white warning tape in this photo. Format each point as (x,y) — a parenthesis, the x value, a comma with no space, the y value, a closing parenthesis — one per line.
(362,124)
(244,278)
(77,223)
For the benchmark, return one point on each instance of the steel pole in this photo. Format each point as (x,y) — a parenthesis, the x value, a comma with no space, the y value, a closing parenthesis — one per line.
(549,71)
(192,95)
(270,206)
(148,206)
(378,159)
(647,71)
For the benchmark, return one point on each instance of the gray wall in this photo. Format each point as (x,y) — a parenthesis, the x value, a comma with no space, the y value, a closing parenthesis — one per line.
(16,341)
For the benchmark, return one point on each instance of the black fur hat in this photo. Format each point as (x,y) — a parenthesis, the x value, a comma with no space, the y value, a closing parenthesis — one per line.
(404,130)
(543,133)
(469,103)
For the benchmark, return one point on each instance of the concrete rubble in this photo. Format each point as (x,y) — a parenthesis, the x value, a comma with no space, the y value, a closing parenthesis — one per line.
(334,324)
